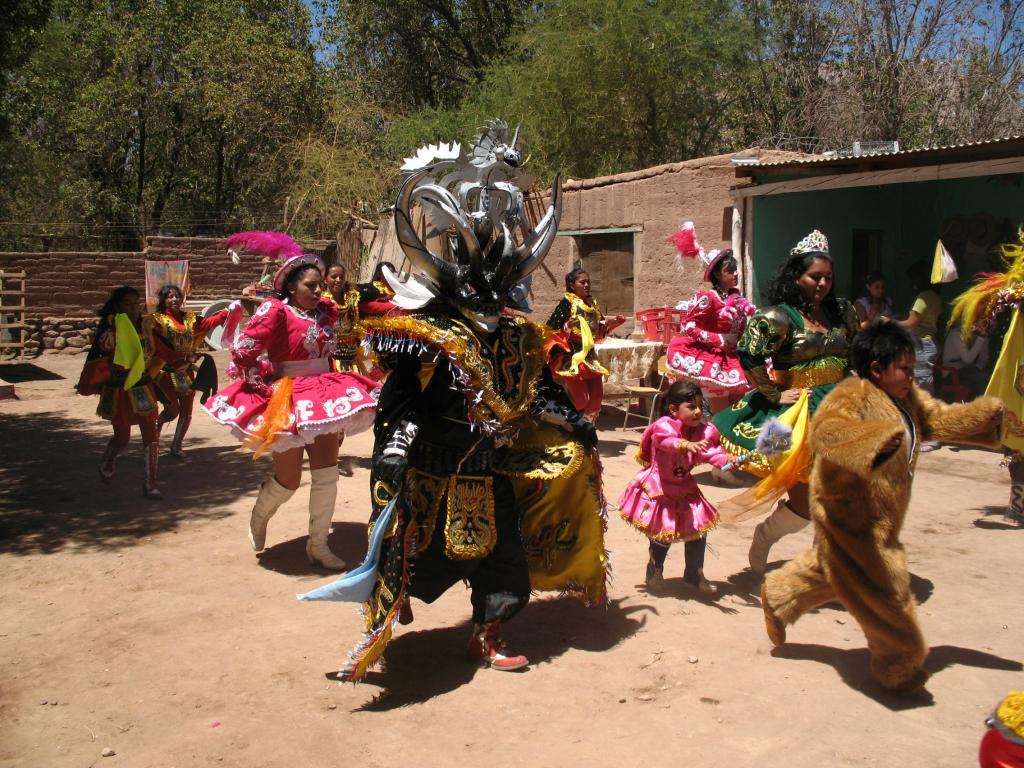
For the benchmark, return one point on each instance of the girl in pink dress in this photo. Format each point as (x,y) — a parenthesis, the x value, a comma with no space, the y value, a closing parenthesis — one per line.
(713,321)
(286,399)
(663,500)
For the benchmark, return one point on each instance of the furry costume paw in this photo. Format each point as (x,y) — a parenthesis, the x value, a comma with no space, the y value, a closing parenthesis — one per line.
(775,628)
(903,676)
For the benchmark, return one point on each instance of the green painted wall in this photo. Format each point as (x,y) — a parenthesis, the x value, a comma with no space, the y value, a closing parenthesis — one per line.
(910,217)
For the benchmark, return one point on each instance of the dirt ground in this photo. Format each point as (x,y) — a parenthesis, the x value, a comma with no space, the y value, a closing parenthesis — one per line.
(151,629)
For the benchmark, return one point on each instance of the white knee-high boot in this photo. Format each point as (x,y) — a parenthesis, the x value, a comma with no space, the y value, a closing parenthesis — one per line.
(322,494)
(272,496)
(781,522)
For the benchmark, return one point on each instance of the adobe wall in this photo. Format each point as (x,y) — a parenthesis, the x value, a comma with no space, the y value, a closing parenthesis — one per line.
(66,288)
(656,201)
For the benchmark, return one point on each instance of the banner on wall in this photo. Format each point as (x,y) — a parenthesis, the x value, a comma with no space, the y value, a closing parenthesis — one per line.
(161,273)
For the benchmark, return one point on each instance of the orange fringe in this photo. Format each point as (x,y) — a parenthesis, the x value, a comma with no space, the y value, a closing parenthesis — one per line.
(275,419)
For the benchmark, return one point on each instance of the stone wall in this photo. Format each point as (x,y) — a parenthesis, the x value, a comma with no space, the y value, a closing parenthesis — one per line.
(67,335)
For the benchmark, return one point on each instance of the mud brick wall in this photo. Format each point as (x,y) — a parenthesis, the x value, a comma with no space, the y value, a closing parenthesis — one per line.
(64,289)
(654,202)
(75,284)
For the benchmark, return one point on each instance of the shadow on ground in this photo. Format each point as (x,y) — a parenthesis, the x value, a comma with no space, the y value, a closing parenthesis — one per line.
(853,667)
(53,498)
(19,373)
(347,540)
(995,517)
(419,666)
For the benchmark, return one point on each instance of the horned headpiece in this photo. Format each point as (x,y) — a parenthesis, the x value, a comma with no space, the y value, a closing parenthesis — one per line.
(472,204)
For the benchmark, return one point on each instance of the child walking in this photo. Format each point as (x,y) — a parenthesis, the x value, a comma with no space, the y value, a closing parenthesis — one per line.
(866,436)
(663,500)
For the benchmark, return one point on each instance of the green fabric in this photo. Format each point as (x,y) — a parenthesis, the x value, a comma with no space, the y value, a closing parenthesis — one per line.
(128,352)
(928,306)
(766,337)
(742,422)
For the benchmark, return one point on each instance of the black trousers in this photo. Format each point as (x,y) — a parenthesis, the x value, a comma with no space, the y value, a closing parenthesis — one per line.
(693,556)
(500,582)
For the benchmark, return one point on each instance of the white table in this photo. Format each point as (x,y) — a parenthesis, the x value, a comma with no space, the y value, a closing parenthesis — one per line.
(628,362)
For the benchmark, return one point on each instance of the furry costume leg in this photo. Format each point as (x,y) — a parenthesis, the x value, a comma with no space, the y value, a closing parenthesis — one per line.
(801,585)
(884,607)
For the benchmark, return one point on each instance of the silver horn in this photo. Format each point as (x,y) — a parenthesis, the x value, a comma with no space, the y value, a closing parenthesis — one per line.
(434,267)
(531,253)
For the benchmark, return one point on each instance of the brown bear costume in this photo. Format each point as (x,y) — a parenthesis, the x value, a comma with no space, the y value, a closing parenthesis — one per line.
(859,497)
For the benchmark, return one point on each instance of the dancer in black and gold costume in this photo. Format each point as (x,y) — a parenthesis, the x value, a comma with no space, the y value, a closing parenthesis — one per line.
(497,478)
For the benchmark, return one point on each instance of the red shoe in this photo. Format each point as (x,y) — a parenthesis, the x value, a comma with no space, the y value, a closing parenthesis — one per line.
(487,645)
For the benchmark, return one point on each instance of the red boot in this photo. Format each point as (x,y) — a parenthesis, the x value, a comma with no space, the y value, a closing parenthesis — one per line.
(151,453)
(487,645)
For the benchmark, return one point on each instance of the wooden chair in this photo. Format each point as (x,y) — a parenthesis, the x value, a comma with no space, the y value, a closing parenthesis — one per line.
(639,392)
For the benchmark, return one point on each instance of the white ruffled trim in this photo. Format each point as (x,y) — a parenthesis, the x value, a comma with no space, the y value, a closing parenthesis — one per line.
(355,421)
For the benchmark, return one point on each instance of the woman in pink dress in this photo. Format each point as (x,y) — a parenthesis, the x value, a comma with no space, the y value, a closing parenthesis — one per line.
(286,399)
(663,500)
(713,321)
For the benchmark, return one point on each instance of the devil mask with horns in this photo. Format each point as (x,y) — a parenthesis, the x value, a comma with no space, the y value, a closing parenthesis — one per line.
(469,207)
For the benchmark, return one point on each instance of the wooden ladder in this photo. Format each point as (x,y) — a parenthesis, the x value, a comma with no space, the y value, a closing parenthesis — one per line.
(12,303)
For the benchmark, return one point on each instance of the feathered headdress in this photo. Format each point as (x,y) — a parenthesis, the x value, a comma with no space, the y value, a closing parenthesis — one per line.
(272,245)
(979,308)
(685,241)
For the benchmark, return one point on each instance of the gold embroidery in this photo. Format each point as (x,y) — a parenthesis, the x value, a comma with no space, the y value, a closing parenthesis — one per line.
(423,493)
(747,430)
(521,354)
(548,541)
(830,372)
(382,493)
(542,462)
(384,597)
(470,532)
(179,336)
(666,537)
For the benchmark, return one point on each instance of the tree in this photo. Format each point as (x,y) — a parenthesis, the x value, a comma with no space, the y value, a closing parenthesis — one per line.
(414,54)
(917,71)
(139,115)
(342,170)
(608,85)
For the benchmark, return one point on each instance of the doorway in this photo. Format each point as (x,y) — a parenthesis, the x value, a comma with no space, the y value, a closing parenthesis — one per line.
(608,258)
(867,258)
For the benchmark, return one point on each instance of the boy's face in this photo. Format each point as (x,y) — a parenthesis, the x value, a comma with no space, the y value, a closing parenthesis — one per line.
(895,379)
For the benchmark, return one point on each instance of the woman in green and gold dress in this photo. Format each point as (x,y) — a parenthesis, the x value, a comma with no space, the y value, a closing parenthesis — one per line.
(805,333)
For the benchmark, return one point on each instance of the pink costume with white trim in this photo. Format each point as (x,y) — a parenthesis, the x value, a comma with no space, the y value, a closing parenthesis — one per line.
(282,342)
(705,352)
(663,500)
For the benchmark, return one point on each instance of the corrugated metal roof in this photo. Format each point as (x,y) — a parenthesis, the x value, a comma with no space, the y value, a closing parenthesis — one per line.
(749,169)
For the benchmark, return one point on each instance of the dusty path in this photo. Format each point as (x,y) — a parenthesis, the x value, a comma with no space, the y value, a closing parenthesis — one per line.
(151,629)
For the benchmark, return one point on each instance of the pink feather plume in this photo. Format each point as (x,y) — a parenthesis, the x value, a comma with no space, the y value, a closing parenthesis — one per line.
(685,241)
(275,245)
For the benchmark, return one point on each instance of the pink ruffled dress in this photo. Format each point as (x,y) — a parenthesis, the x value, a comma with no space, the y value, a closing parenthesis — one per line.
(663,500)
(705,352)
(283,345)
